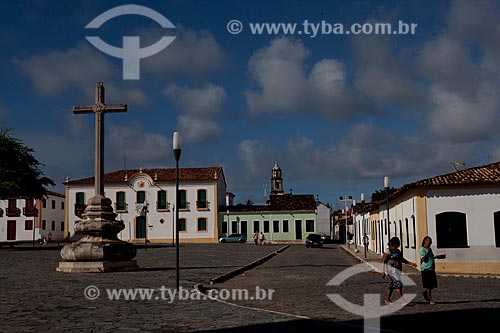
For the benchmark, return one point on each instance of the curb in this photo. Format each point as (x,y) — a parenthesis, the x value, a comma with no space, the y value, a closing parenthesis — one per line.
(240,270)
(458,275)
(372,267)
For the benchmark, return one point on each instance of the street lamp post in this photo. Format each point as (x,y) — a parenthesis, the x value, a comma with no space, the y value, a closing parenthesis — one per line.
(344,200)
(173,225)
(388,227)
(363,223)
(176,145)
(355,226)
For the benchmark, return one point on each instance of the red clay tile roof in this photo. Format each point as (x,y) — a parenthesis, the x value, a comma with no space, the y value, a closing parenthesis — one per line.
(160,175)
(480,175)
(279,203)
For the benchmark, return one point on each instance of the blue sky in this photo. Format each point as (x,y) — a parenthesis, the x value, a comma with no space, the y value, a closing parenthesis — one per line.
(338,113)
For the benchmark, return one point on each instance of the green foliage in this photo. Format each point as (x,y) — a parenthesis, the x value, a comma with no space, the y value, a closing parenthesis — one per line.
(381,195)
(20,174)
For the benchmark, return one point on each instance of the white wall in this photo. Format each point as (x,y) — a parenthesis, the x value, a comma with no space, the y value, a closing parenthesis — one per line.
(323,219)
(479,206)
(156,229)
(57,215)
(399,212)
(47,214)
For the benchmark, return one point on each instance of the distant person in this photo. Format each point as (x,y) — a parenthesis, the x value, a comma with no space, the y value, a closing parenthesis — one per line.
(256,238)
(392,265)
(428,268)
(49,237)
(262,239)
(366,241)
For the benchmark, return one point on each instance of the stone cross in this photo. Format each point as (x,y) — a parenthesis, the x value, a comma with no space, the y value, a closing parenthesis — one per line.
(99,109)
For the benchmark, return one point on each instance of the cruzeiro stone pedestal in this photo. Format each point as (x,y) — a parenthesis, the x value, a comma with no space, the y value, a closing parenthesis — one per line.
(99,250)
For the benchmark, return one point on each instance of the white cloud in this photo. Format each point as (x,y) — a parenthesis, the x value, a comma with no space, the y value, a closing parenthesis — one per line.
(198,129)
(460,119)
(199,108)
(55,72)
(141,147)
(386,76)
(206,100)
(193,54)
(286,87)
(446,62)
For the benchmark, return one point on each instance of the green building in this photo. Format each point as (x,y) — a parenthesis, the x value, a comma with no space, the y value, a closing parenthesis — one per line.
(286,217)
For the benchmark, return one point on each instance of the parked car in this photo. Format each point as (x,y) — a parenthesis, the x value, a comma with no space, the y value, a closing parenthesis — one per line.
(326,239)
(234,238)
(314,240)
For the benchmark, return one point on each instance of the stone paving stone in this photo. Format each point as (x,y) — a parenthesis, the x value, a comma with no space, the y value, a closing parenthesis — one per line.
(36,298)
(299,277)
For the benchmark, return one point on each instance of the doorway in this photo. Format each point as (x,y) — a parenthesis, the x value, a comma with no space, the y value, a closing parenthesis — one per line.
(298,229)
(243,228)
(140,227)
(11,230)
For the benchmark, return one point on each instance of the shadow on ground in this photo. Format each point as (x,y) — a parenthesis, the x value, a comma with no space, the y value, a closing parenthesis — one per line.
(470,320)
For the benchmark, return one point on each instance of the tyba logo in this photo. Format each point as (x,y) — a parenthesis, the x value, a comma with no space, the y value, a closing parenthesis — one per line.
(131,52)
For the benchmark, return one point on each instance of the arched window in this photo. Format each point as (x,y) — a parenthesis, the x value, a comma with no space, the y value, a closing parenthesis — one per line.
(414,243)
(451,230)
(407,245)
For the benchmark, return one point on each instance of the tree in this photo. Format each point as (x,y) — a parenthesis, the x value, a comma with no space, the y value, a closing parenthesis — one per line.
(20,174)
(381,195)
(249,203)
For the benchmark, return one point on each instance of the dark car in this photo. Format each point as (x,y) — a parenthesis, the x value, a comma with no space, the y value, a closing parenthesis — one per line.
(314,240)
(326,239)
(234,238)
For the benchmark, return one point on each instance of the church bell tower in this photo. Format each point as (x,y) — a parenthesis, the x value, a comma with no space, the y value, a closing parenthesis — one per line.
(276,180)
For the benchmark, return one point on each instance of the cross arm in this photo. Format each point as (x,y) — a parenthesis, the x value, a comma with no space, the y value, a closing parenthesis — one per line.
(115,108)
(82,109)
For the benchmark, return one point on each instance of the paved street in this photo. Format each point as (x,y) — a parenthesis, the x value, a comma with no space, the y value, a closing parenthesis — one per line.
(36,298)
(299,277)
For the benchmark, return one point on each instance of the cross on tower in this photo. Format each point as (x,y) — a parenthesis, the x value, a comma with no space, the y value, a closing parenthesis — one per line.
(99,109)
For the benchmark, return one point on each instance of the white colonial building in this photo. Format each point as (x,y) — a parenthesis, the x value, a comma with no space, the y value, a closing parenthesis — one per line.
(145,201)
(23,220)
(460,211)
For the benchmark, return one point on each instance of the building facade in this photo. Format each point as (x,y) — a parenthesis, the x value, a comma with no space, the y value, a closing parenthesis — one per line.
(460,211)
(286,217)
(30,219)
(144,201)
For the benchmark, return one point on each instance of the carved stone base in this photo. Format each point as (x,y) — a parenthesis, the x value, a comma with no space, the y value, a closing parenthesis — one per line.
(99,250)
(91,248)
(97,266)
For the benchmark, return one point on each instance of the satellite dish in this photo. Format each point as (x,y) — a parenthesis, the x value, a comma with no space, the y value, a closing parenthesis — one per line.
(456,166)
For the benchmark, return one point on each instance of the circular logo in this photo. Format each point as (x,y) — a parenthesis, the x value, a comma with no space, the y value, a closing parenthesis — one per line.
(92,293)
(371,307)
(234,27)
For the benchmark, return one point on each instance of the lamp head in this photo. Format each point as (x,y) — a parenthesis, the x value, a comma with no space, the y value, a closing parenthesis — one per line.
(176,141)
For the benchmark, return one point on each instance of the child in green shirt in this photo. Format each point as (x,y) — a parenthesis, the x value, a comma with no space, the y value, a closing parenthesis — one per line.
(428,266)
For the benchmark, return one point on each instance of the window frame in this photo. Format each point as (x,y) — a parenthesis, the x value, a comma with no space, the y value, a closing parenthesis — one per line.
(124,207)
(276,226)
(198,224)
(450,242)
(285,223)
(308,222)
(28,225)
(160,204)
